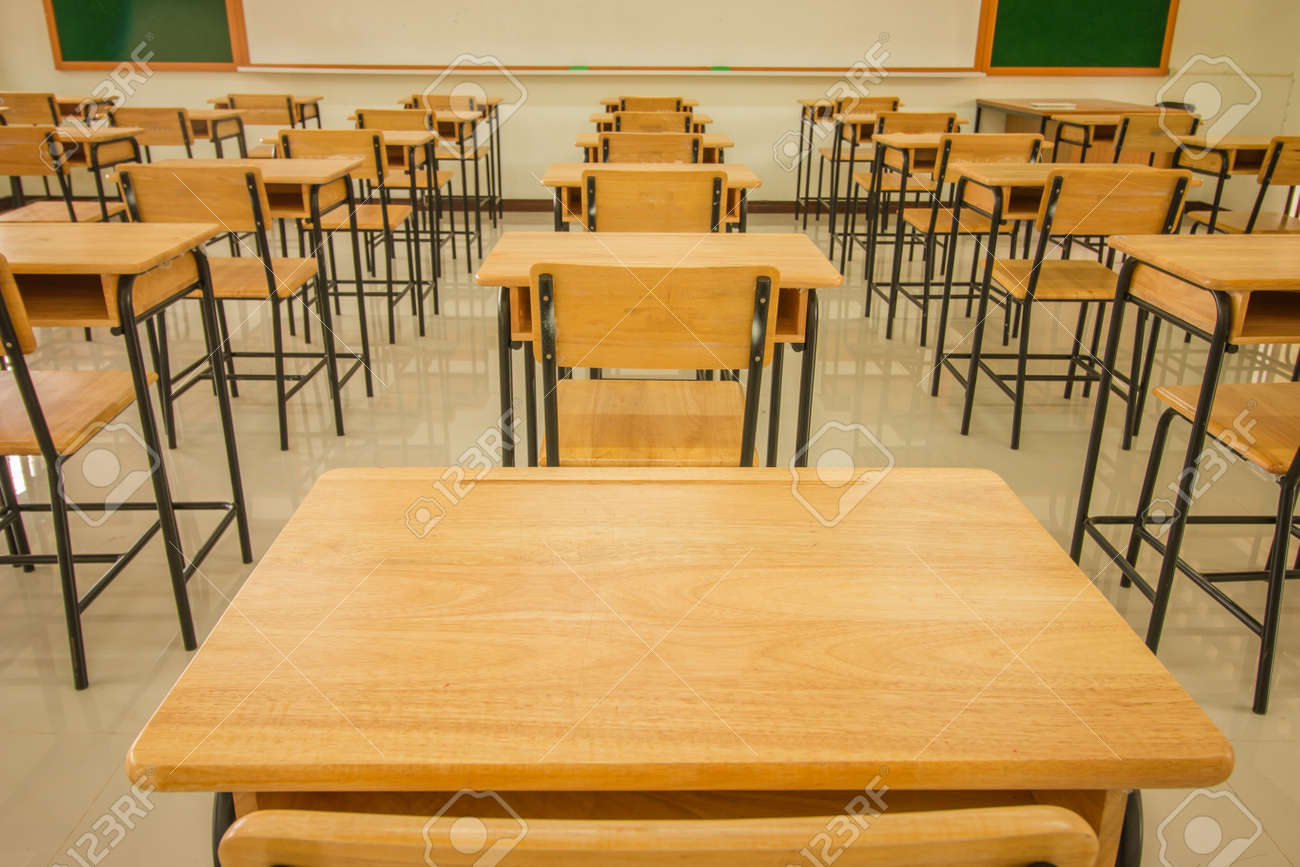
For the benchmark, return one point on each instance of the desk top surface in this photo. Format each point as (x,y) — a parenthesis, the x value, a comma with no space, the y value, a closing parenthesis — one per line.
(283,171)
(671,629)
(707,139)
(801,262)
(1225,262)
(570,174)
(97,248)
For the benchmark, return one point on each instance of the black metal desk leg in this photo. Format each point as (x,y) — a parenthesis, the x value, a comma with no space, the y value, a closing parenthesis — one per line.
(323,311)
(212,336)
(530,401)
(806,374)
(158,471)
(507,420)
(977,337)
(1187,478)
(774,410)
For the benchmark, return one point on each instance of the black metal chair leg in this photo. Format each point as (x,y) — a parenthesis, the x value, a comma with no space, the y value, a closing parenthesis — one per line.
(1130,837)
(1276,580)
(1075,347)
(15,532)
(223,330)
(1022,370)
(223,816)
(67,573)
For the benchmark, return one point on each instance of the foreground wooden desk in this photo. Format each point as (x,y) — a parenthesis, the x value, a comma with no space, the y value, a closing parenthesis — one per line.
(1232,290)
(712,145)
(802,266)
(118,275)
(566,180)
(645,631)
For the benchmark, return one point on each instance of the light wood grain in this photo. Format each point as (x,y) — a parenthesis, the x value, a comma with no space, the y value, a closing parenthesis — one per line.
(971,838)
(486,654)
(282,171)
(29,108)
(98,248)
(651,201)
(157,126)
(76,405)
(1080,106)
(1258,420)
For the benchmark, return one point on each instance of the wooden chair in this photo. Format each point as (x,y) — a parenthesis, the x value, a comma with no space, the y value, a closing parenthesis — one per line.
(1079,201)
(234,196)
(687,318)
(30,108)
(850,142)
(424,186)
(460,120)
(167,127)
(1281,168)
(653,201)
(984,837)
(376,215)
(653,121)
(1273,445)
(650,103)
(35,152)
(933,222)
(53,414)
(1148,139)
(650,147)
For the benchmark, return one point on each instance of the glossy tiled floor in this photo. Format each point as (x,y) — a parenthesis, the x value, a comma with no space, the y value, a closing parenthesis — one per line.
(61,764)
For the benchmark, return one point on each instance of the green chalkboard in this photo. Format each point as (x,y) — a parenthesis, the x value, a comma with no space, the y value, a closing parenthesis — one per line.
(175,31)
(1080,33)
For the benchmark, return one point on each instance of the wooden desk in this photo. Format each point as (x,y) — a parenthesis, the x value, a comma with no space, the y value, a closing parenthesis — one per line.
(880,648)
(566,180)
(712,145)
(612,104)
(301,104)
(97,149)
(605,123)
(802,266)
(118,275)
(305,189)
(1222,159)
(1229,289)
(87,107)
(219,125)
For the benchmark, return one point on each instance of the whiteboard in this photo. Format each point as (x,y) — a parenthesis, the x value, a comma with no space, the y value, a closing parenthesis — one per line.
(939,34)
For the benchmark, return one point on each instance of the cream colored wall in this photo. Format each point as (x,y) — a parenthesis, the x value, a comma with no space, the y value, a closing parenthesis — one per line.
(1259,35)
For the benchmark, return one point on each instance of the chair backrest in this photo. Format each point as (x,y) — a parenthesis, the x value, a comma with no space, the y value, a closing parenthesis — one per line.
(1112,200)
(1140,137)
(867,104)
(463,105)
(915,121)
(365,144)
(233,196)
(40,108)
(665,200)
(162,126)
(976,837)
(650,147)
(24,334)
(650,103)
(1282,162)
(986,147)
(264,109)
(652,121)
(30,151)
(395,118)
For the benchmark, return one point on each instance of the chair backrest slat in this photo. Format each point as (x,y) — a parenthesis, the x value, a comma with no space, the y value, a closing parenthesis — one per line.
(666,200)
(686,318)
(30,151)
(650,147)
(650,103)
(974,837)
(264,109)
(195,194)
(395,118)
(37,108)
(364,144)
(1113,200)
(162,126)
(652,121)
(916,121)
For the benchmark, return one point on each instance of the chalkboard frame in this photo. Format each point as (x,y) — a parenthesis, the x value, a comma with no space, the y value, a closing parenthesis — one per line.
(238,46)
(988,23)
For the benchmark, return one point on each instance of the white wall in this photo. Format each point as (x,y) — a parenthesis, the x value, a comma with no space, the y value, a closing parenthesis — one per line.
(1259,36)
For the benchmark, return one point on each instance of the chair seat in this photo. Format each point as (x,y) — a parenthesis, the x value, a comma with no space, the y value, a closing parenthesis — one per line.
(1234,222)
(640,423)
(863,154)
(76,403)
(370,218)
(262,152)
(1058,280)
(244,277)
(1270,410)
(56,211)
(399,180)
(971,222)
(892,182)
